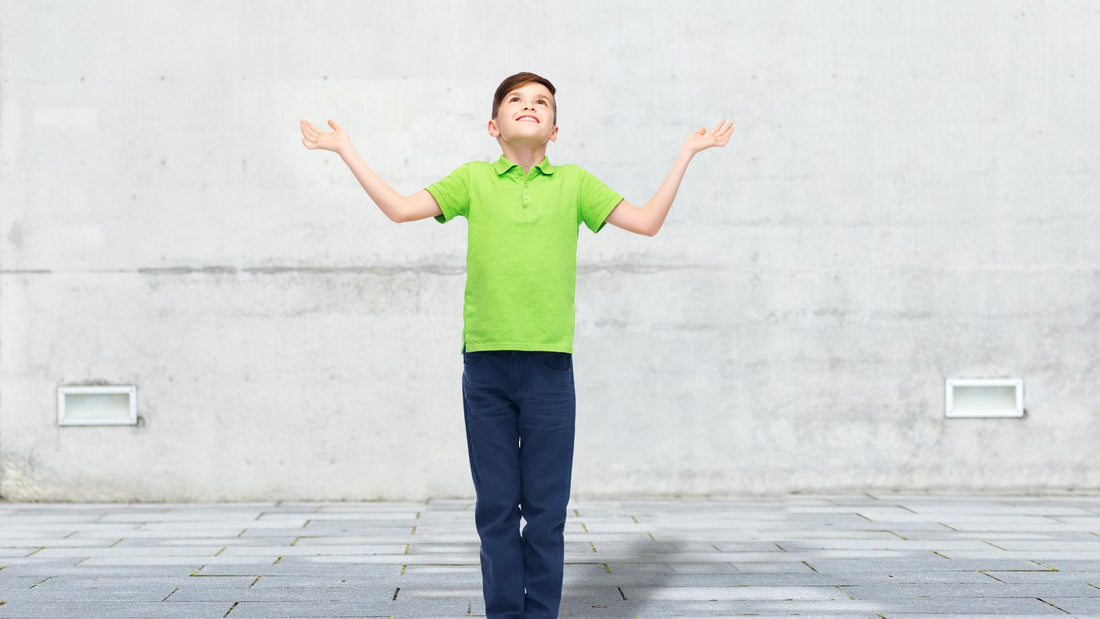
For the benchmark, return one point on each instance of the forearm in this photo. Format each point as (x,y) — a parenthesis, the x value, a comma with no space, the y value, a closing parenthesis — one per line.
(655,210)
(391,203)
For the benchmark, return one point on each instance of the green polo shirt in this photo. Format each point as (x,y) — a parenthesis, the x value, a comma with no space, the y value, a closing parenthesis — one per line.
(521,252)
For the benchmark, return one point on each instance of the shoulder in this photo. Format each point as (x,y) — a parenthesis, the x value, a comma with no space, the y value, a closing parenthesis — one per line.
(465,172)
(574,173)
(573,170)
(477,168)
(470,166)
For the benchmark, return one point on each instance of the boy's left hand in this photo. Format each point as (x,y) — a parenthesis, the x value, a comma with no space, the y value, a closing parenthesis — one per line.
(702,140)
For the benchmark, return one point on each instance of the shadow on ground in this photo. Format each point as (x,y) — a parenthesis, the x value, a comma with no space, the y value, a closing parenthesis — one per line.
(628,581)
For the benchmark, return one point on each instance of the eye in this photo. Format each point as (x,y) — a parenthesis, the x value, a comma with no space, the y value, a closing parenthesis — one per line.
(514,98)
(542,101)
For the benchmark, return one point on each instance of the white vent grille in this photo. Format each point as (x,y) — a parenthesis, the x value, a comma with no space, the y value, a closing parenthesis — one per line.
(109,405)
(985,397)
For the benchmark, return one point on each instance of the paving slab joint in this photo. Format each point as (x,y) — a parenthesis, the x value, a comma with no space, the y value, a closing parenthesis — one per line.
(1053,606)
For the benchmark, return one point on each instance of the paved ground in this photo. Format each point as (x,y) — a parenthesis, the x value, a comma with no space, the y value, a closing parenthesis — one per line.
(851,556)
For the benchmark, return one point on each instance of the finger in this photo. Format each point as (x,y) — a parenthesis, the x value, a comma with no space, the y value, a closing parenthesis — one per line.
(718,127)
(309,131)
(722,132)
(308,145)
(332,123)
(729,129)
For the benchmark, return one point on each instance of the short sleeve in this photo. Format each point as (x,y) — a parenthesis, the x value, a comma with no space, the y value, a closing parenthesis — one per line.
(595,201)
(452,194)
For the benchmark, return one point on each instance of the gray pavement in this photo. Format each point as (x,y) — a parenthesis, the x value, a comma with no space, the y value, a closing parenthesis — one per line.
(844,556)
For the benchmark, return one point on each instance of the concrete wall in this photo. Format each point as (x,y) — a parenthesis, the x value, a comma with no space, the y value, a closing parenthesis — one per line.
(910,195)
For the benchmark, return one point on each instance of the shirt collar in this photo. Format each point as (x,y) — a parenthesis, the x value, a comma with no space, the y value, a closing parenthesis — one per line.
(502,165)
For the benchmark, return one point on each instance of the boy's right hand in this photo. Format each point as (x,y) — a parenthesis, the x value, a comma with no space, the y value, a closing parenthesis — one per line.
(336,141)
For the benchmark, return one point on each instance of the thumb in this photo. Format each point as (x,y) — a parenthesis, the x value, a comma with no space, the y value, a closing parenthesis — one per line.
(332,123)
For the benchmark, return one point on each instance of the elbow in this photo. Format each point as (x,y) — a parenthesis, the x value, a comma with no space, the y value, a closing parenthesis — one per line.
(398,217)
(645,230)
(650,225)
(650,229)
(396,210)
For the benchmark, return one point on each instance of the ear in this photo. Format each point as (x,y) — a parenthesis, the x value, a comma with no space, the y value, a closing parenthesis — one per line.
(554,134)
(493,129)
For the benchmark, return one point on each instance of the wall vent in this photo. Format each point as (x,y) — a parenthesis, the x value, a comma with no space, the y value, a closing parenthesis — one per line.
(985,397)
(100,405)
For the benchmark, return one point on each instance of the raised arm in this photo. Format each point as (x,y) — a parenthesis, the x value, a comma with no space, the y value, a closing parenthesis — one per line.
(648,218)
(397,207)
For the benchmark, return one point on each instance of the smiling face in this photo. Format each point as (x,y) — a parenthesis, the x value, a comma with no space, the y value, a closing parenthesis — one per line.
(526,113)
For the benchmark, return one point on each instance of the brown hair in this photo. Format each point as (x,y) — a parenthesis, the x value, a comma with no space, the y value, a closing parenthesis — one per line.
(512,82)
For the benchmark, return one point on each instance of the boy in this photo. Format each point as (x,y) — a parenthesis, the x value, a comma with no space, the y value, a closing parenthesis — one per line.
(517,379)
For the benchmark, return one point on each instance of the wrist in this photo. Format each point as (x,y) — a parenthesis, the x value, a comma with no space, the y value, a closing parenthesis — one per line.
(346,151)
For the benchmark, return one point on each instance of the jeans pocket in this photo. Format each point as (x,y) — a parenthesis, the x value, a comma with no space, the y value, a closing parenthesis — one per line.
(471,359)
(556,361)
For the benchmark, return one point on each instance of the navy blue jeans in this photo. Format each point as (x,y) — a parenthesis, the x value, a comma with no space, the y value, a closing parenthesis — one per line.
(520,410)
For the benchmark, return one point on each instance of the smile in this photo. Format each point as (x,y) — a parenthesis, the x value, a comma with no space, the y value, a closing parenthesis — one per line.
(527,118)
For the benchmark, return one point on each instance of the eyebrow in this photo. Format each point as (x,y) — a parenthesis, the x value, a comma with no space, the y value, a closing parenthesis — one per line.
(539,96)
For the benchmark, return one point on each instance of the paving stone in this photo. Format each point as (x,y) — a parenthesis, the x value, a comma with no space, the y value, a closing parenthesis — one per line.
(927,576)
(449,569)
(165,583)
(313,609)
(697,608)
(956,590)
(316,550)
(44,595)
(737,579)
(1092,578)
(346,517)
(847,566)
(703,568)
(116,610)
(337,569)
(1074,565)
(291,594)
(825,593)
(966,606)
(67,568)
(388,535)
(130,551)
(1075,605)
(362,576)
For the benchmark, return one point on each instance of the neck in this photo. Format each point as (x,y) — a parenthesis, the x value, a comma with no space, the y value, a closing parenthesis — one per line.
(525,155)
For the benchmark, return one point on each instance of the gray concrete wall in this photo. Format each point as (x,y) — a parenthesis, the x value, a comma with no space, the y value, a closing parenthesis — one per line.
(910,195)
